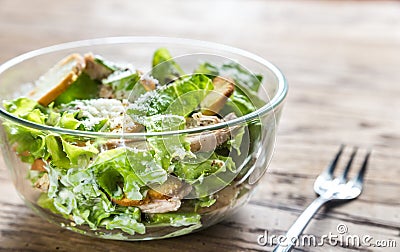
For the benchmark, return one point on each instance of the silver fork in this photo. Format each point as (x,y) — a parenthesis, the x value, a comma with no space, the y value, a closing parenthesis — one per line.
(328,188)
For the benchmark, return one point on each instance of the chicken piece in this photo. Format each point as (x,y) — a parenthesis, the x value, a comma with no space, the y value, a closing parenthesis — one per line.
(173,187)
(106,91)
(148,83)
(226,198)
(211,140)
(95,70)
(160,198)
(161,206)
(199,120)
(216,99)
(43,183)
(55,81)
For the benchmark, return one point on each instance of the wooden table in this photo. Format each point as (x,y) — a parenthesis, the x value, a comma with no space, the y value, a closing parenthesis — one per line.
(342,60)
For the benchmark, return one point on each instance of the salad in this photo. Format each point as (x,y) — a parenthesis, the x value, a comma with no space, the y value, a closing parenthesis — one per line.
(129,184)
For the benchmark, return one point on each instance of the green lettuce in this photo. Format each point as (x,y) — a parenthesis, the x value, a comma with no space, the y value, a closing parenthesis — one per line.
(179,98)
(68,121)
(122,80)
(79,155)
(123,171)
(32,144)
(28,143)
(207,176)
(76,193)
(175,219)
(206,201)
(234,70)
(169,147)
(56,153)
(20,106)
(82,88)
(165,69)
(126,223)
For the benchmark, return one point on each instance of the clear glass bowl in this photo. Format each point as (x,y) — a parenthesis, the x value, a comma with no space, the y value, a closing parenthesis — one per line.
(18,74)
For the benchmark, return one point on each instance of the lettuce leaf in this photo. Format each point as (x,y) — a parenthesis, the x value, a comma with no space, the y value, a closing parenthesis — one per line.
(122,82)
(234,70)
(170,147)
(239,103)
(165,69)
(175,219)
(179,98)
(79,155)
(75,193)
(64,154)
(130,169)
(126,224)
(26,108)
(28,143)
(206,201)
(56,153)
(68,121)
(208,176)
(81,89)
(20,106)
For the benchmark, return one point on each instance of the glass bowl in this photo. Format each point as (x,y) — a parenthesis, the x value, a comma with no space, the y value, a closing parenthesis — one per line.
(206,202)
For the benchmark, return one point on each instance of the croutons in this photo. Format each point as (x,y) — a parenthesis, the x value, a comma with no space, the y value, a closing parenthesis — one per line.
(216,99)
(55,81)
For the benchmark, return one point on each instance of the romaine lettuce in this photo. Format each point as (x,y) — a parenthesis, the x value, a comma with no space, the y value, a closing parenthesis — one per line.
(169,147)
(179,98)
(207,176)
(20,106)
(129,169)
(234,70)
(165,69)
(122,80)
(175,219)
(76,192)
(81,89)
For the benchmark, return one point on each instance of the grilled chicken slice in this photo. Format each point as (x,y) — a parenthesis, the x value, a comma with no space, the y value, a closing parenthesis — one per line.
(95,70)
(161,198)
(211,140)
(171,188)
(161,206)
(55,81)
(216,99)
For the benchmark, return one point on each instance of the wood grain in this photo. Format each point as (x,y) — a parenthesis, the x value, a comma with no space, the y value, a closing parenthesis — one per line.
(342,61)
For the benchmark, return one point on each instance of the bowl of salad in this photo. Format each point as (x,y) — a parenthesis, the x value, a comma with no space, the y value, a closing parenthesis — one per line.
(138,138)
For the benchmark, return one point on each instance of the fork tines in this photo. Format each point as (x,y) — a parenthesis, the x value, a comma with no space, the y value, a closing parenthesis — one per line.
(343,177)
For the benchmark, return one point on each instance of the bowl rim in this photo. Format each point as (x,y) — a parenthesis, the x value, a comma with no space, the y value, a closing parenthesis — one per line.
(276,100)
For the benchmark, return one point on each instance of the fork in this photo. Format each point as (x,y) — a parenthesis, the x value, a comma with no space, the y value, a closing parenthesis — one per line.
(329,189)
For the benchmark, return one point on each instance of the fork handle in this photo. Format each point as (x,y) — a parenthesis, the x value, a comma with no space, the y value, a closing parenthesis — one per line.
(298,227)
